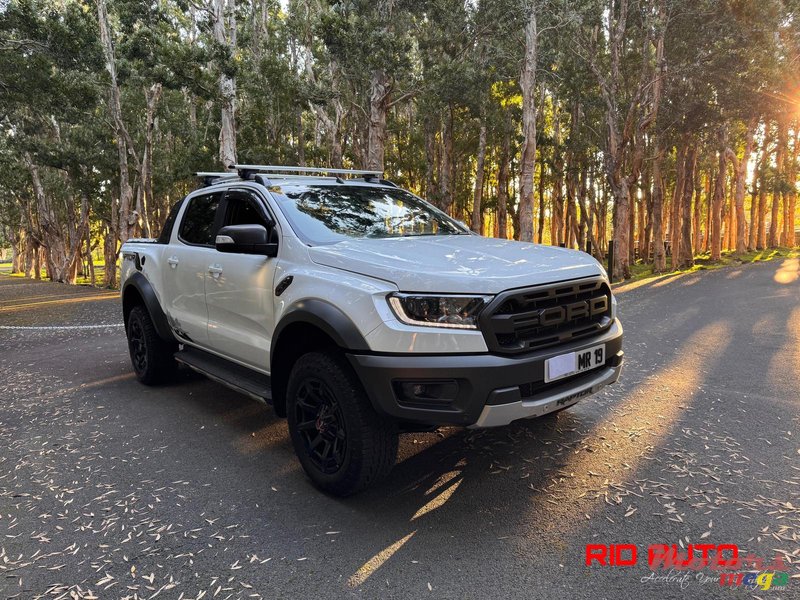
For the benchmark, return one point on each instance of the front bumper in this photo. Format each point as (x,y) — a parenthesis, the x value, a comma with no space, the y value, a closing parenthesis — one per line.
(492,390)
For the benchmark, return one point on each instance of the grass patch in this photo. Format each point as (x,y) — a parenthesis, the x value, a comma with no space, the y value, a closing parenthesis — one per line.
(703,262)
(99,273)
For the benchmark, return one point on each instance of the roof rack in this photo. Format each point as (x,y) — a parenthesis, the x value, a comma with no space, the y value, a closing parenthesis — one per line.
(282,168)
(211,177)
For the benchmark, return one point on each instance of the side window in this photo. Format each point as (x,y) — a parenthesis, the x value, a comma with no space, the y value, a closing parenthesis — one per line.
(166,231)
(197,226)
(242,211)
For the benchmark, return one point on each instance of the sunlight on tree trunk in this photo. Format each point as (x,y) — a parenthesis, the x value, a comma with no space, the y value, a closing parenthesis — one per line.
(477,212)
(528,158)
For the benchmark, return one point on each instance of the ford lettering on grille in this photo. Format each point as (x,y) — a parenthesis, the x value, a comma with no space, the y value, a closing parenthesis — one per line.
(531,318)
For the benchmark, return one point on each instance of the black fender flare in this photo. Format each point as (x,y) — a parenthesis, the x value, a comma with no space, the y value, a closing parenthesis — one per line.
(326,317)
(140,284)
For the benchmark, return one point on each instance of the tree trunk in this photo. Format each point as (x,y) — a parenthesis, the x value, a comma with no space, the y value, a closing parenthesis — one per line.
(542,207)
(528,157)
(431,192)
(502,186)
(152,96)
(786,183)
(647,234)
(719,198)
(92,276)
(586,216)
(697,217)
(16,256)
(620,188)
(81,233)
(632,194)
(557,197)
(675,204)
(110,248)
(625,126)
(51,236)
(777,189)
(37,262)
(642,220)
(751,234)
(379,93)
(572,198)
(17,239)
(224,18)
(477,213)
(761,215)
(761,241)
(791,240)
(709,205)
(740,174)
(686,254)
(28,256)
(115,109)
(301,143)
(446,164)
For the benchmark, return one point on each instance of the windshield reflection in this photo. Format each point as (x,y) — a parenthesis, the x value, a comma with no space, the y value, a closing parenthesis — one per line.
(326,214)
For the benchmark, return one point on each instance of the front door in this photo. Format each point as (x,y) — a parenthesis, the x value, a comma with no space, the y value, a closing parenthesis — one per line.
(239,289)
(186,263)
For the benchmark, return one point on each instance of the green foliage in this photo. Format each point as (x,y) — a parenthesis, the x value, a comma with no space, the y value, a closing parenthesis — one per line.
(303,71)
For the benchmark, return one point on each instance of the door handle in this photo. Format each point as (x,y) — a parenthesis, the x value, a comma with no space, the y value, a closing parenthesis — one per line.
(215,270)
(173,261)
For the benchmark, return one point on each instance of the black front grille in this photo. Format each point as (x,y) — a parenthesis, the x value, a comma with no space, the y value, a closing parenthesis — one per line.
(532,318)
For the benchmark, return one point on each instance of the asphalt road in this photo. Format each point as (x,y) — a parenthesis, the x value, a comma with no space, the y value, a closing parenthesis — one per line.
(109,489)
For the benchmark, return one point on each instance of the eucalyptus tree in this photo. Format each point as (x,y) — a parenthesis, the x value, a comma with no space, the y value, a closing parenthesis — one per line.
(48,61)
(617,40)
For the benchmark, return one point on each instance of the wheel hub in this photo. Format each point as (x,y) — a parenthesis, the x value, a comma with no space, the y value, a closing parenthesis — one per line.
(138,347)
(321,425)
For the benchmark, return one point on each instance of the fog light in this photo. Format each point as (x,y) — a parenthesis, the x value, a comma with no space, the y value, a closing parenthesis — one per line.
(437,392)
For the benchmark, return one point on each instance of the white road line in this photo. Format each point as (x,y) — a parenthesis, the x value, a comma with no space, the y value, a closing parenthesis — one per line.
(58,327)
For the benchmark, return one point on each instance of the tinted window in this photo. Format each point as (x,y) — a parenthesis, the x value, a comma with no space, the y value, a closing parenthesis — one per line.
(166,231)
(326,214)
(242,211)
(198,220)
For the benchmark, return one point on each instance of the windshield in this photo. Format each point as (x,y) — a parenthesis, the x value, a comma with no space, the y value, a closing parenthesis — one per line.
(323,214)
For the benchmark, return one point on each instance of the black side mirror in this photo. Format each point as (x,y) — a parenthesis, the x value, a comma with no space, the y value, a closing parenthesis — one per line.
(246,239)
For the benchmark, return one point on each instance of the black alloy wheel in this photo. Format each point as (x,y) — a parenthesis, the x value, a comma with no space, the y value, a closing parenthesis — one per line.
(137,346)
(152,357)
(321,425)
(343,444)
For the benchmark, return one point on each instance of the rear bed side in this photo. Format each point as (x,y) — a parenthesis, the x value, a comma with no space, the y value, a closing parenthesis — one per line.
(140,279)
(141,274)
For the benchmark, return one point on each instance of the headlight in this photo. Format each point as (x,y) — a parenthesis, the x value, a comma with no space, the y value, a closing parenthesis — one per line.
(455,312)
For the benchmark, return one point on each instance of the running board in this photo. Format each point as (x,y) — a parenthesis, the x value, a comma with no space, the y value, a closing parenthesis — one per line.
(239,378)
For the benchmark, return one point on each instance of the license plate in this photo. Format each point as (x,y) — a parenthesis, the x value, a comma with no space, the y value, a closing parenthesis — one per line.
(572,363)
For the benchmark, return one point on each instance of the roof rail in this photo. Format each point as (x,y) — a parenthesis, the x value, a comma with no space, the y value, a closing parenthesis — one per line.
(211,177)
(283,168)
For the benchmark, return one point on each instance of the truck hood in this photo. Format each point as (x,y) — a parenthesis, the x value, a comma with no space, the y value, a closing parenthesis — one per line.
(466,264)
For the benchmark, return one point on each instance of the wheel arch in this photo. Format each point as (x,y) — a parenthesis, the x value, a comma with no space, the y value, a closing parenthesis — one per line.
(309,325)
(137,291)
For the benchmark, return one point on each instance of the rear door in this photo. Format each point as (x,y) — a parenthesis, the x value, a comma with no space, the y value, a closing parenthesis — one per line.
(188,257)
(239,289)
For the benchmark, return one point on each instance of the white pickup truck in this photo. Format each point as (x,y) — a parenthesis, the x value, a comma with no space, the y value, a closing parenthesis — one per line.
(359,311)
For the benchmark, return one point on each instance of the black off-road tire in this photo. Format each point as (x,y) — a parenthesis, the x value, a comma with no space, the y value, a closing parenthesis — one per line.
(152,358)
(366,441)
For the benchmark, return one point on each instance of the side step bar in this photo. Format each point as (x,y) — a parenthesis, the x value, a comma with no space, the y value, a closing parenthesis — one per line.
(236,377)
